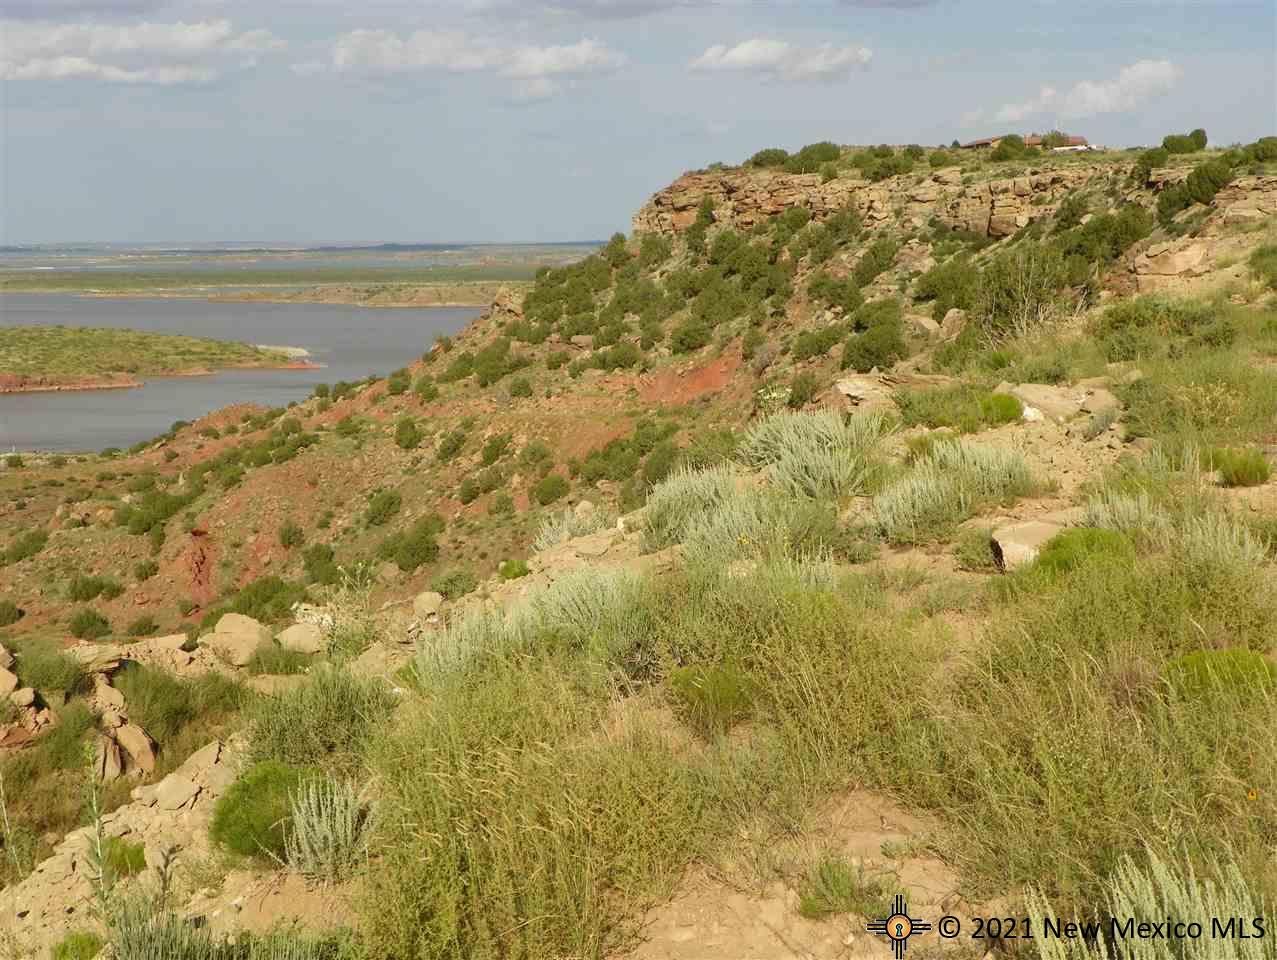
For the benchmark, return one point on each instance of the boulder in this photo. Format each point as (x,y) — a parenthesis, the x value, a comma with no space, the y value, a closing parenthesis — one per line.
(6,658)
(583,510)
(108,765)
(175,792)
(237,638)
(97,657)
(302,637)
(868,391)
(107,695)
(955,321)
(1018,544)
(22,697)
(8,682)
(427,604)
(921,325)
(201,761)
(1057,403)
(137,745)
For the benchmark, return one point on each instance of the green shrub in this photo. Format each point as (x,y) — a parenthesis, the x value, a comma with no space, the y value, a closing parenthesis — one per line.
(880,255)
(10,613)
(520,387)
(952,284)
(252,817)
(326,719)
(84,588)
(78,945)
(122,858)
(1019,288)
(329,823)
(810,158)
(42,665)
(999,408)
(453,584)
(803,389)
(398,382)
(513,569)
(144,626)
(270,659)
(1071,549)
(450,444)
(145,569)
(173,709)
(425,389)
(407,436)
(291,535)
(712,698)
(1201,185)
(550,488)
(880,346)
(1239,468)
(414,547)
(946,486)
(496,447)
(1198,675)
(769,157)
(24,546)
(382,505)
(974,551)
(268,599)
(1263,263)
(88,624)
(833,887)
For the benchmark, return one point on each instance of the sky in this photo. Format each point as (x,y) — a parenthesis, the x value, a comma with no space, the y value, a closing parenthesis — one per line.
(318,121)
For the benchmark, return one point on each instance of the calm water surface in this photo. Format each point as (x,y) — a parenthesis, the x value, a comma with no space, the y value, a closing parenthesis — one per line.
(352,342)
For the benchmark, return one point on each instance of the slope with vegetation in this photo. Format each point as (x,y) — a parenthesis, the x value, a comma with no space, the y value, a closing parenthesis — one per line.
(622,594)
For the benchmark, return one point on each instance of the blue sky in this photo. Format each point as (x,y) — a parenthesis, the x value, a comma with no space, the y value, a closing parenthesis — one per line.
(452,120)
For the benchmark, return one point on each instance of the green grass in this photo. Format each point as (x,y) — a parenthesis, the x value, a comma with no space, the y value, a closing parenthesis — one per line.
(1238,468)
(712,698)
(92,351)
(834,887)
(273,660)
(326,719)
(123,858)
(181,714)
(252,817)
(949,483)
(80,945)
(42,665)
(963,407)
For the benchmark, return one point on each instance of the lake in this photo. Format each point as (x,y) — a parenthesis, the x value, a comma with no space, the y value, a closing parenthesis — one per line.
(351,342)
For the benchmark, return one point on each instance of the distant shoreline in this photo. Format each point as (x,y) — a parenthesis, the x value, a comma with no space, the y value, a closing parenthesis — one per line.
(442,294)
(18,383)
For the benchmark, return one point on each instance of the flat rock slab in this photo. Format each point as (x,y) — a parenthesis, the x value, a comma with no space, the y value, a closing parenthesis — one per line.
(302,637)
(174,792)
(1018,544)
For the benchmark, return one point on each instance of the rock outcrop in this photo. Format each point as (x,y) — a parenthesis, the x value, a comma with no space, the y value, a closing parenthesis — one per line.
(743,197)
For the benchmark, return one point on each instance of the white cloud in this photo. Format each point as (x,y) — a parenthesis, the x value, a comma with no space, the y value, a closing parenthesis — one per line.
(147,53)
(1133,86)
(782,60)
(531,67)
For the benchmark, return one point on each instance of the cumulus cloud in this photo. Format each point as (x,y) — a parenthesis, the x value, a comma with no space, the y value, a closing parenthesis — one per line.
(63,9)
(782,60)
(596,9)
(1133,86)
(148,53)
(533,68)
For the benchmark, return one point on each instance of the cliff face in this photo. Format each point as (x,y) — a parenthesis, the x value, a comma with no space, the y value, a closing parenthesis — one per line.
(743,197)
